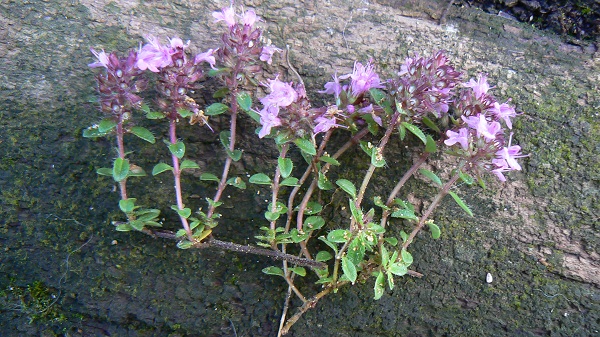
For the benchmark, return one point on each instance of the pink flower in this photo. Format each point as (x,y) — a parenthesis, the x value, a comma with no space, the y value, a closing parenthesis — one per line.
(282,94)
(249,18)
(324,124)
(154,56)
(461,137)
(506,159)
(102,57)
(206,57)
(268,120)
(333,87)
(363,78)
(480,87)
(267,53)
(485,129)
(503,111)
(226,14)
(177,43)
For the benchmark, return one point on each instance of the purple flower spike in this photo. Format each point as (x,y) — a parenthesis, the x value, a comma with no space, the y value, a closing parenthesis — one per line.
(461,137)
(324,124)
(226,14)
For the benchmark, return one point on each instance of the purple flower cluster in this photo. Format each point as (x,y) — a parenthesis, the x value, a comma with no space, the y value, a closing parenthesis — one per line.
(363,78)
(479,130)
(287,108)
(242,46)
(118,85)
(424,85)
(177,73)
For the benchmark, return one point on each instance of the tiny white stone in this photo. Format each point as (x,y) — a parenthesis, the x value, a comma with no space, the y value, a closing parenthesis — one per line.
(489,278)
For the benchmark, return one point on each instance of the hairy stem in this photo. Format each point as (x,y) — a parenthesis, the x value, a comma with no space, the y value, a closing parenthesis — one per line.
(434,203)
(177,177)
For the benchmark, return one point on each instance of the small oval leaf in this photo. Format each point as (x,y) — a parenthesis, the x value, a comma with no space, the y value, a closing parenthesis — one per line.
(143,133)
(160,168)
(347,186)
(120,169)
(260,178)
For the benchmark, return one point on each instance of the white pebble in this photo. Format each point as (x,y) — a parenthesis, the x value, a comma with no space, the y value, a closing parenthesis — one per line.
(489,278)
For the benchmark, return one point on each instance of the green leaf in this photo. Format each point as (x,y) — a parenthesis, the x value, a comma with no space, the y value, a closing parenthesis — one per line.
(313,222)
(391,240)
(407,258)
(260,178)
(120,169)
(155,115)
(347,186)
(390,279)
(306,146)
(430,146)
(404,236)
(184,213)
(245,101)
(209,177)
(188,164)
(435,230)
(323,256)
(137,225)
(236,182)
(349,269)
(377,95)
(323,183)
(236,155)
(377,158)
(285,166)
(379,286)
(184,244)
(404,214)
(143,133)
(356,250)
(177,149)
(225,136)
(379,203)
(106,125)
(398,269)
(460,203)
(298,271)
(367,147)
(466,178)
(136,171)
(385,256)
(147,214)
(124,227)
(338,236)
(432,176)
(329,160)
(272,216)
(357,213)
(216,109)
(297,236)
(416,131)
(92,132)
(401,131)
(329,243)
(312,207)
(160,168)
(273,271)
(291,181)
(185,113)
(430,124)
(105,171)
(127,205)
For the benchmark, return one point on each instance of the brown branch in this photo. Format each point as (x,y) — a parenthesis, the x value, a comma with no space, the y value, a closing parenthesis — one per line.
(235,247)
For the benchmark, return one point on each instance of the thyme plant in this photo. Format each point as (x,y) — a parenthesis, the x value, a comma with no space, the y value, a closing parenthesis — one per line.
(425,102)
